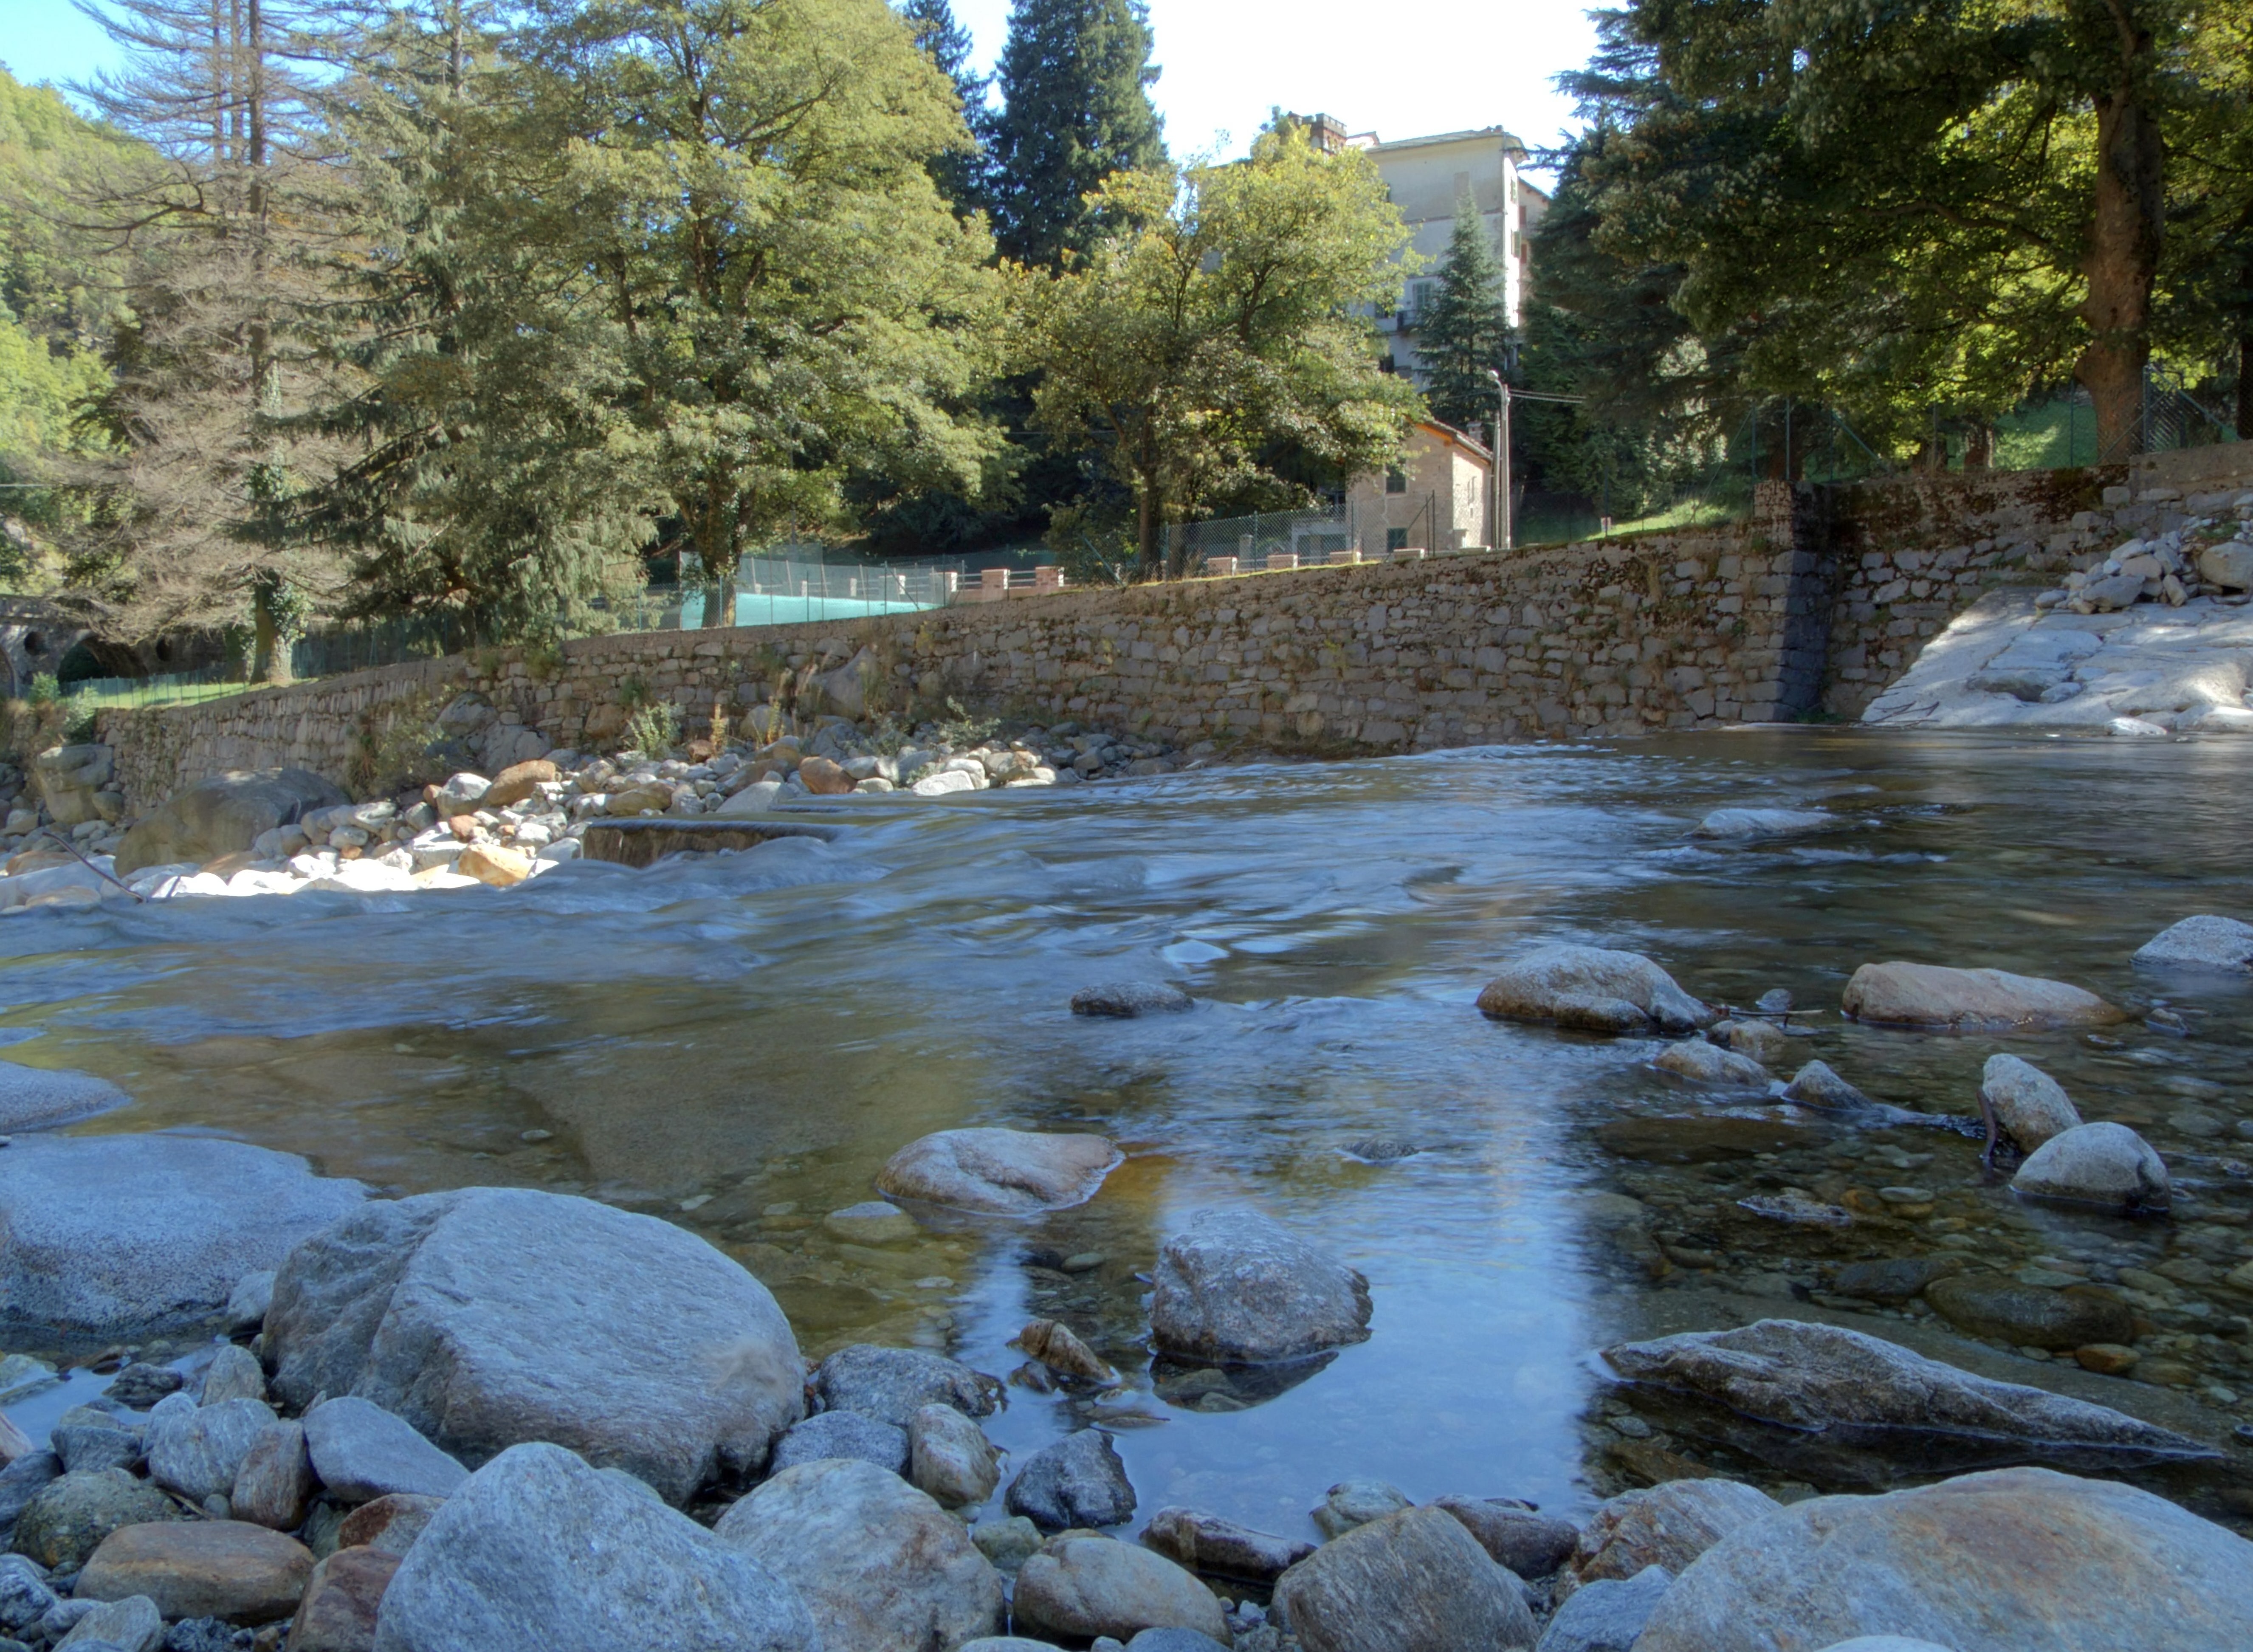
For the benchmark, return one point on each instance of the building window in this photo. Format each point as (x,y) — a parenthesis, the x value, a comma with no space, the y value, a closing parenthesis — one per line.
(1396,480)
(1388,365)
(1396,539)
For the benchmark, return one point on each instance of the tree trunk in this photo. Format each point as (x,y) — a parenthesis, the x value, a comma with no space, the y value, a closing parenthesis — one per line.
(1979,447)
(269,649)
(1147,525)
(2122,258)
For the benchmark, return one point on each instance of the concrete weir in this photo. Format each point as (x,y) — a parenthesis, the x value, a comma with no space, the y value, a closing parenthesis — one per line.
(639,843)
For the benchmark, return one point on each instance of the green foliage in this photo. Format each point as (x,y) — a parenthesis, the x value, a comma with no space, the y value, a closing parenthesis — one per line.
(46,691)
(654,730)
(1074,77)
(958,169)
(1464,333)
(1206,341)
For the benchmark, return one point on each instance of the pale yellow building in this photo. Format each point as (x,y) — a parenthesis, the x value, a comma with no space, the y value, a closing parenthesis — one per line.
(1438,500)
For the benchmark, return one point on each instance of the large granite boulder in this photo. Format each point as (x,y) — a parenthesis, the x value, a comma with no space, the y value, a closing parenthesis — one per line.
(2105,1165)
(1856,1408)
(1080,1586)
(1933,995)
(1234,1287)
(111,1238)
(2020,1560)
(222,815)
(71,778)
(490,1317)
(1416,1581)
(540,1553)
(361,1452)
(1592,990)
(2204,942)
(1667,1525)
(44,1099)
(880,1565)
(1005,1172)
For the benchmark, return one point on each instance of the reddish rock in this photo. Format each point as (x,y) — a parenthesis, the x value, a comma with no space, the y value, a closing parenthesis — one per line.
(824,778)
(391,1523)
(201,1569)
(518,782)
(338,1612)
(275,1485)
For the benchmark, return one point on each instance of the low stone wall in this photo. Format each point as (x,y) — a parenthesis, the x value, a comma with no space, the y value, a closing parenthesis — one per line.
(1813,606)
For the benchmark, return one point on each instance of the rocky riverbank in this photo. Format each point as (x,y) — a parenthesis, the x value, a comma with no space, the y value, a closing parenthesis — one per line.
(68,841)
(500,1417)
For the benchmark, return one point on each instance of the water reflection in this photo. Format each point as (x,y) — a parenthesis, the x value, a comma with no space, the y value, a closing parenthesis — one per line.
(739,1043)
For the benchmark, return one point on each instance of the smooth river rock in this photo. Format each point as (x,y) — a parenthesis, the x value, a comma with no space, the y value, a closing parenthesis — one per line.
(2026,1101)
(2020,1560)
(1816,1085)
(131,1625)
(1590,989)
(2104,1165)
(222,815)
(196,1450)
(950,1460)
(892,1384)
(389,1524)
(44,1099)
(1221,1548)
(1529,1542)
(1933,995)
(880,1565)
(2204,942)
(1856,1407)
(1606,1615)
(275,1485)
(1667,1525)
(1003,1172)
(1083,1586)
(24,1596)
(540,1552)
(1234,1287)
(66,1520)
(495,1315)
(362,1451)
(343,1602)
(1704,1063)
(1128,999)
(1077,1481)
(1747,824)
(844,1435)
(112,1239)
(1416,1581)
(201,1569)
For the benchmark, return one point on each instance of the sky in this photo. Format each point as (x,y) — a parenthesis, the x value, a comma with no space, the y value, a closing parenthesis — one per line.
(1443,65)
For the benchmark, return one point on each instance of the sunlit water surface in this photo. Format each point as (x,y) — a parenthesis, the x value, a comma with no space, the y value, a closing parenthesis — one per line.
(738,1043)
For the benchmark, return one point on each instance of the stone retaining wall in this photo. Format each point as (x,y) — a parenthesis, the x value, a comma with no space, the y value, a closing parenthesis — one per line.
(1813,606)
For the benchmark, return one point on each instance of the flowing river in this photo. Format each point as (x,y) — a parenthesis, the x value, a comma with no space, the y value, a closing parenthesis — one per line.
(738,1043)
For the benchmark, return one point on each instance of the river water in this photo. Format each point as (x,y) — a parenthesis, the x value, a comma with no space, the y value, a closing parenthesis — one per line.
(738,1043)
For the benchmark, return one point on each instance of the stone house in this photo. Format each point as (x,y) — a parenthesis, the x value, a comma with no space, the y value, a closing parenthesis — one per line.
(1440,498)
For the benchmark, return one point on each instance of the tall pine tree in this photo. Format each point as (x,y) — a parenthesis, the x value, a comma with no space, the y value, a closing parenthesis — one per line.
(958,171)
(1464,334)
(1075,79)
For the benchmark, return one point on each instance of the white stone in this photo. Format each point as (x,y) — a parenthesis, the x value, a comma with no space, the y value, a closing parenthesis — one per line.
(2203,942)
(2101,1164)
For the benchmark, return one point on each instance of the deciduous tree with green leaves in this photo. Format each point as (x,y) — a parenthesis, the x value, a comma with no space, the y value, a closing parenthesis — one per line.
(1209,327)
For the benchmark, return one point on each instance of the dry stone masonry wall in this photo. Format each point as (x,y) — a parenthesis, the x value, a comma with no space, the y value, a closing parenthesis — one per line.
(1810,609)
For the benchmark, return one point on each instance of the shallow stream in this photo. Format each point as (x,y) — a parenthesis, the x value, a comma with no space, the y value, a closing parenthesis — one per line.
(737,1043)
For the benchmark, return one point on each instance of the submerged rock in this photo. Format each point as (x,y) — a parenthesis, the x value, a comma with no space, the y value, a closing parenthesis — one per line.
(1233,1287)
(1356,1503)
(1970,999)
(1077,1481)
(2021,1560)
(1221,1548)
(1852,1407)
(1416,1581)
(880,1565)
(1816,1085)
(2204,942)
(2025,1101)
(1128,999)
(1005,1172)
(1669,1525)
(1765,823)
(1704,1138)
(540,1552)
(891,1385)
(1059,1348)
(110,1239)
(2105,1165)
(2031,1316)
(493,1315)
(1896,1278)
(1590,989)
(1083,1586)
(44,1098)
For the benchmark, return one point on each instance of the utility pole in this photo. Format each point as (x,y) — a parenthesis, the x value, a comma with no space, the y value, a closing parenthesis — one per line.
(1500,520)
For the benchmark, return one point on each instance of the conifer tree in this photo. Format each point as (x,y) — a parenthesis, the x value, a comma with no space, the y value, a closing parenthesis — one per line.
(1464,334)
(958,171)
(1074,77)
